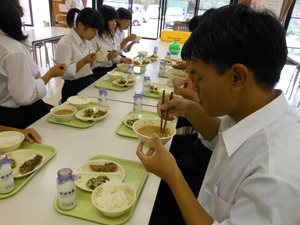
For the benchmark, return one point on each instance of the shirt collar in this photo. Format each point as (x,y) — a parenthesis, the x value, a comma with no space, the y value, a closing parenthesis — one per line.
(235,135)
(78,40)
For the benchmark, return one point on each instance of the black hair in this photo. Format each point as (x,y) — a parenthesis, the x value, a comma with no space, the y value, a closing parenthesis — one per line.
(10,21)
(124,14)
(187,49)
(88,17)
(193,23)
(108,13)
(71,16)
(237,34)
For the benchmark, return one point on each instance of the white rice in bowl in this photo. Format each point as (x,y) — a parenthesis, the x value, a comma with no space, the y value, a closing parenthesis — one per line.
(9,140)
(113,198)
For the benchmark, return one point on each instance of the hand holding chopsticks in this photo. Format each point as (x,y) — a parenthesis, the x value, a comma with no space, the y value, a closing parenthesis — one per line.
(164,116)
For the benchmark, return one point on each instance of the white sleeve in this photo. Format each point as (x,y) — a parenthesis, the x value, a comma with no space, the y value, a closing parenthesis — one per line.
(23,87)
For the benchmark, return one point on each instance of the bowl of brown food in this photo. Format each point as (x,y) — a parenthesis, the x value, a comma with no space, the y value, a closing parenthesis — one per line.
(144,128)
(63,113)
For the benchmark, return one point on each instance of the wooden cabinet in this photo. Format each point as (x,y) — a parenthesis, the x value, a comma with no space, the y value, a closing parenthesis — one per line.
(59,13)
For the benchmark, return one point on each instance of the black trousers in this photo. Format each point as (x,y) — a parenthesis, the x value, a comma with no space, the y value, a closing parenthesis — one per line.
(23,116)
(192,158)
(72,87)
(101,71)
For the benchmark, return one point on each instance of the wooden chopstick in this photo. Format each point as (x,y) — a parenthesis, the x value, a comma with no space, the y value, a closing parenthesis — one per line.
(162,112)
(167,115)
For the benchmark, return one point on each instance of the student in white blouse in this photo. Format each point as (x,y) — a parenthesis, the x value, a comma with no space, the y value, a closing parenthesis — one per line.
(108,42)
(78,4)
(123,24)
(253,176)
(76,50)
(22,87)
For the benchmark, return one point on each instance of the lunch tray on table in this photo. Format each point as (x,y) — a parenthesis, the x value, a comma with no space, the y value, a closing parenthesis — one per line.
(105,82)
(74,122)
(47,151)
(135,176)
(125,131)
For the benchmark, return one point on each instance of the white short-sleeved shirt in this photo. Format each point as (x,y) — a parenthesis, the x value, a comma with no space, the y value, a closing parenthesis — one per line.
(70,50)
(254,173)
(120,36)
(74,4)
(20,82)
(107,43)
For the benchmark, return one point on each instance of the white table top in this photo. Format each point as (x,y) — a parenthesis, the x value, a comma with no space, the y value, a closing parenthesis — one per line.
(34,202)
(152,71)
(45,34)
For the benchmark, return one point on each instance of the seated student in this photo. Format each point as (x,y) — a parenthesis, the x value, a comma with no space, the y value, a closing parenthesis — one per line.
(31,135)
(253,176)
(74,49)
(21,86)
(192,157)
(107,41)
(123,24)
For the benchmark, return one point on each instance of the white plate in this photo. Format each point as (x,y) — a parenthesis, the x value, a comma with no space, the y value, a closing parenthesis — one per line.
(84,173)
(137,117)
(129,82)
(80,114)
(20,156)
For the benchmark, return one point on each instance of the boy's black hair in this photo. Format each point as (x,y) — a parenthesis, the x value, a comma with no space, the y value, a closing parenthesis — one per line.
(88,17)
(194,22)
(10,21)
(108,13)
(237,34)
(124,14)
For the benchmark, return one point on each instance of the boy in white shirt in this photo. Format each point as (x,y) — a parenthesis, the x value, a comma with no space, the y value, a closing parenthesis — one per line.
(254,173)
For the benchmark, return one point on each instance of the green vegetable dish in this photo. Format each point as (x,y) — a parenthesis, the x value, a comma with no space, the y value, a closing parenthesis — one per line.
(95,182)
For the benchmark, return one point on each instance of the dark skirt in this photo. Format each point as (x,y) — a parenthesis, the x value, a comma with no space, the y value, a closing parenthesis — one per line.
(72,87)
(23,116)
(101,71)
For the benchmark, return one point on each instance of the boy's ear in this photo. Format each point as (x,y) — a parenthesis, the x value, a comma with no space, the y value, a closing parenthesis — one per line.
(240,74)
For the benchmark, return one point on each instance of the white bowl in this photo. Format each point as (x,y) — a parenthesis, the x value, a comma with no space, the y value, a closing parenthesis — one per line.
(82,114)
(137,39)
(10,140)
(179,76)
(79,102)
(167,89)
(113,75)
(122,67)
(130,119)
(152,122)
(113,198)
(142,52)
(101,56)
(63,113)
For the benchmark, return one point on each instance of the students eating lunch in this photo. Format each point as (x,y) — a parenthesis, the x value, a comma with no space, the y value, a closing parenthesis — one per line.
(22,87)
(107,41)
(77,52)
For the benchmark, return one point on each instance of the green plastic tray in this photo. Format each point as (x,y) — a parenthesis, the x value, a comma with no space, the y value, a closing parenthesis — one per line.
(105,82)
(125,131)
(74,122)
(48,152)
(135,175)
(152,95)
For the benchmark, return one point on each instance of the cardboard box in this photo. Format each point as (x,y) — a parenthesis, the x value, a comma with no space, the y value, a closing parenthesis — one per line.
(171,36)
